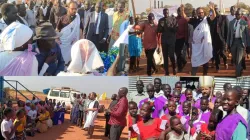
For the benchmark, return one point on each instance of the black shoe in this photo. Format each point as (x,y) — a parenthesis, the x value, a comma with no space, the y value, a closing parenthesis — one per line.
(174,72)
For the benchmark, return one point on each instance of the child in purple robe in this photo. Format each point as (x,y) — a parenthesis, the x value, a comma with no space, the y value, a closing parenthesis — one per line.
(205,113)
(176,98)
(162,101)
(195,123)
(233,126)
(185,116)
(188,96)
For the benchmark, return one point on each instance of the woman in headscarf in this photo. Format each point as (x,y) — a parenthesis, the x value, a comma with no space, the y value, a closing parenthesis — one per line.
(16,58)
(86,61)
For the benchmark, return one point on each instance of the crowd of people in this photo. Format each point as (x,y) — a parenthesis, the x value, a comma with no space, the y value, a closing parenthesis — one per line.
(30,117)
(202,37)
(64,38)
(189,113)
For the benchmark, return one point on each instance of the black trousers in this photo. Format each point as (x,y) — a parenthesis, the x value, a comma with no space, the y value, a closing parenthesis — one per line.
(80,117)
(100,46)
(179,52)
(219,51)
(107,126)
(115,132)
(168,51)
(205,70)
(150,60)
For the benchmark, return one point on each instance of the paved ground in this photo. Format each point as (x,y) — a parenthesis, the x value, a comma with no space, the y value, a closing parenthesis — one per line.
(187,69)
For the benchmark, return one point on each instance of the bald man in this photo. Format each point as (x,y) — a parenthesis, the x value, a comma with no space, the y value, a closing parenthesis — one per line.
(118,115)
(138,95)
(96,28)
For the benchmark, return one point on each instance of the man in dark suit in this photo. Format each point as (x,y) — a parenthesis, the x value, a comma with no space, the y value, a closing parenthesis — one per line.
(218,30)
(96,28)
(43,12)
(238,40)
(168,26)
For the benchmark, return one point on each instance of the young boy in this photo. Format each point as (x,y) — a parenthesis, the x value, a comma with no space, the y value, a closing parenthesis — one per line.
(7,128)
(205,113)
(177,132)
(185,116)
(233,126)
(32,115)
(171,111)
(133,118)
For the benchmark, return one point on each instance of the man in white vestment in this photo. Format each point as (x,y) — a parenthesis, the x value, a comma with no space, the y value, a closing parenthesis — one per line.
(202,50)
(69,26)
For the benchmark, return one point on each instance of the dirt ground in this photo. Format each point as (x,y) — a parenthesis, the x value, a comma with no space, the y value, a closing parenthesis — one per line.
(67,131)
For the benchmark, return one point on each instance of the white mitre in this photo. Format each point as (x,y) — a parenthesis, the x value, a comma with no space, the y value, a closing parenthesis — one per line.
(206,81)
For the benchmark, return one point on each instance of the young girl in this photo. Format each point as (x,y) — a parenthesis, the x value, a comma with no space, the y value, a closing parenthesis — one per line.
(208,130)
(185,116)
(20,129)
(176,132)
(217,103)
(7,128)
(42,122)
(149,127)
(233,126)
(32,120)
(133,118)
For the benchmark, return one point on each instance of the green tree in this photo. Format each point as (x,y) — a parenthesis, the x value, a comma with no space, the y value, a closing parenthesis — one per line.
(188,9)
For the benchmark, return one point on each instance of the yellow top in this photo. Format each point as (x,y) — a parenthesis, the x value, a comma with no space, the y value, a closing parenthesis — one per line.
(47,114)
(118,19)
(20,128)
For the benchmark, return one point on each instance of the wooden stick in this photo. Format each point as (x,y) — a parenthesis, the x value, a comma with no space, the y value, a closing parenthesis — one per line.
(133,6)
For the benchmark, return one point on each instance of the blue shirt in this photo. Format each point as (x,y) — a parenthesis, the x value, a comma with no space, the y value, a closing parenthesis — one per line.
(55,66)
(124,26)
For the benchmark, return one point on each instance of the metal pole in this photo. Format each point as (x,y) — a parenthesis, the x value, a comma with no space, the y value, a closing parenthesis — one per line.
(133,6)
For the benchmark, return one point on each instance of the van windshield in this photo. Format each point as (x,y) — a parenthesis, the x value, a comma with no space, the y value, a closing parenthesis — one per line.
(54,93)
(64,94)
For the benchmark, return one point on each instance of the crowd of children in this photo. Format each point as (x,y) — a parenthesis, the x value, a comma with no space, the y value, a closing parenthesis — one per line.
(178,115)
(28,118)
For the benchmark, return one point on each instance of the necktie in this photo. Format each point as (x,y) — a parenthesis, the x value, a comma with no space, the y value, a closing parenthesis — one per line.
(235,28)
(96,22)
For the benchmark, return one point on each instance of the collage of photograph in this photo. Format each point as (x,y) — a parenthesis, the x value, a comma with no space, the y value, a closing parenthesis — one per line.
(125,69)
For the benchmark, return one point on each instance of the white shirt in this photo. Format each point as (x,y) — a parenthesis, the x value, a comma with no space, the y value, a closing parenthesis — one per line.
(159,94)
(237,32)
(230,17)
(98,22)
(32,114)
(25,22)
(6,126)
(3,25)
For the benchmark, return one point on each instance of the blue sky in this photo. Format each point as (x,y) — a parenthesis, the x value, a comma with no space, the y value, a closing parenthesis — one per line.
(141,5)
(86,84)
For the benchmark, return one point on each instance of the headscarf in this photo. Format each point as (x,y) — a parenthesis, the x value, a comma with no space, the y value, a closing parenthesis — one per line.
(84,57)
(14,36)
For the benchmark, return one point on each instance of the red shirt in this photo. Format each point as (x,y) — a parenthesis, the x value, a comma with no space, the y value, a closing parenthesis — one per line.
(205,130)
(119,112)
(150,35)
(149,131)
(130,123)
(182,31)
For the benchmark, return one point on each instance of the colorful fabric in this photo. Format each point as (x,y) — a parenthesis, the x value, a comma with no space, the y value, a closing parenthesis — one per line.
(133,134)
(226,128)
(118,19)
(134,46)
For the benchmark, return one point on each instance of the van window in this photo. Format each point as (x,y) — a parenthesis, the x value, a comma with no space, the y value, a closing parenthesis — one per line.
(55,93)
(64,94)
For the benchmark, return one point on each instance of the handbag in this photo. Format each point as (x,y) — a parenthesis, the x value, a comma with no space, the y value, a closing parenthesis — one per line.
(158,57)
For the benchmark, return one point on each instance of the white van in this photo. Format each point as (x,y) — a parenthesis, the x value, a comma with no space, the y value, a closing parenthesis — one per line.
(64,94)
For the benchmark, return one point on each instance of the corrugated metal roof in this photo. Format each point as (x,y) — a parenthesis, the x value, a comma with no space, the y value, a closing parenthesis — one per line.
(244,82)
(220,81)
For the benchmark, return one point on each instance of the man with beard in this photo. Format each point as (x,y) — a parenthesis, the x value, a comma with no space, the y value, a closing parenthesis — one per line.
(218,30)
(69,26)
(206,83)
(167,26)
(202,42)
(157,85)
(9,15)
(140,94)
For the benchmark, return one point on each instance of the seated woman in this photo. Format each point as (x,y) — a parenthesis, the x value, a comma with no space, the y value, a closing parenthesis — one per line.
(86,60)
(16,58)
(42,125)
